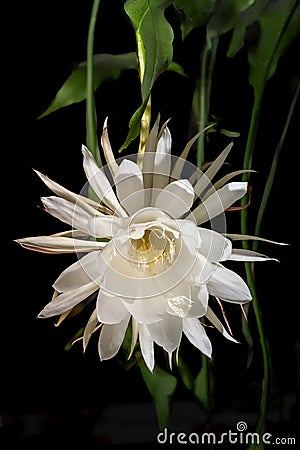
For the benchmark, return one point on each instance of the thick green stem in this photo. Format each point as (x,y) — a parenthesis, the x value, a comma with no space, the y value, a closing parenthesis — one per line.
(264,402)
(91,122)
(207,66)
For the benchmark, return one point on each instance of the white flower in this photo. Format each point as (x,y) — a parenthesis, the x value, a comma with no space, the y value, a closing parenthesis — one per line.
(142,248)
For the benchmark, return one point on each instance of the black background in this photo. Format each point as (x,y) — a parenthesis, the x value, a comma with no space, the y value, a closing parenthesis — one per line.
(49,394)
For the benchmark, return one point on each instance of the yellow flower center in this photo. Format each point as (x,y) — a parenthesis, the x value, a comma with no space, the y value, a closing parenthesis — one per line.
(153,252)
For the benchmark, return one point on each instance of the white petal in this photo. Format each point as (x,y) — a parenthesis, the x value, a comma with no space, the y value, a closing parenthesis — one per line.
(149,310)
(218,324)
(206,178)
(147,347)
(214,246)
(125,279)
(67,212)
(176,198)
(56,244)
(190,235)
(107,150)
(201,271)
(196,334)
(105,226)
(249,255)
(78,274)
(199,297)
(218,202)
(111,338)
(130,187)
(100,184)
(110,309)
(85,203)
(246,237)
(167,332)
(228,285)
(89,329)
(162,163)
(148,160)
(67,300)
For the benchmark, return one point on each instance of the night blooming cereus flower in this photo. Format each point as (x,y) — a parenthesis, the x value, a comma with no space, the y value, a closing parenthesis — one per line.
(143,253)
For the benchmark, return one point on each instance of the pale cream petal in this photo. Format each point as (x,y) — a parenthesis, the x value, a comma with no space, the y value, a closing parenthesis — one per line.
(87,204)
(149,310)
(199,297)
(206,178)
(248,255)
(148,161)
(67,212)
(176,198)
(167,333)
(127,280)
(147,347)
(228,285)
(190,236)
(67,300)
(195,332)
(248,237)
(107,150)
(111,338)
(82,272)
(130,186)
(135,326)
(218,202)
(218,324)
(214,246)
(162,163)
(181,161)
(110,309)
(201,271)
(89,329)
(105,226)
(100,184)
(218,184)
(56,244)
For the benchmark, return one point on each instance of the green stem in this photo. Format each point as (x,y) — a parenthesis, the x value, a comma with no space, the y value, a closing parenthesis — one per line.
(91,124)
(264,403)
(258,96)
(271,176)
(209,388)
(207,66)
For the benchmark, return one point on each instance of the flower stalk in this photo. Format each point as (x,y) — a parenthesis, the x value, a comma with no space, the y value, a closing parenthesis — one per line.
(91,118)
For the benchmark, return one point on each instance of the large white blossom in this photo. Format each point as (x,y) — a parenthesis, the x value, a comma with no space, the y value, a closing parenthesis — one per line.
(143,250)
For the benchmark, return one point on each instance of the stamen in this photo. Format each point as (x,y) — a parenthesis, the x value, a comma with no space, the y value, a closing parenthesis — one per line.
(155,251)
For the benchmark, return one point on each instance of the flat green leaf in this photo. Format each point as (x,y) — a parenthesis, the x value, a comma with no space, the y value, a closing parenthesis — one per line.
(185,374)
(244,19)
(161,386)
(226,16)
(174,67)
(192,14)
(279,25)
(203,389)
(107,67)
(154,36)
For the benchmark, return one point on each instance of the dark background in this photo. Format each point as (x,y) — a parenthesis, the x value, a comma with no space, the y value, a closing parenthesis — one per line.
(49,395)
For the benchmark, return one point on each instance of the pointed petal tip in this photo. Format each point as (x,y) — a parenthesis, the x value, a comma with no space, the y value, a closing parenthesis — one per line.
(237,185)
